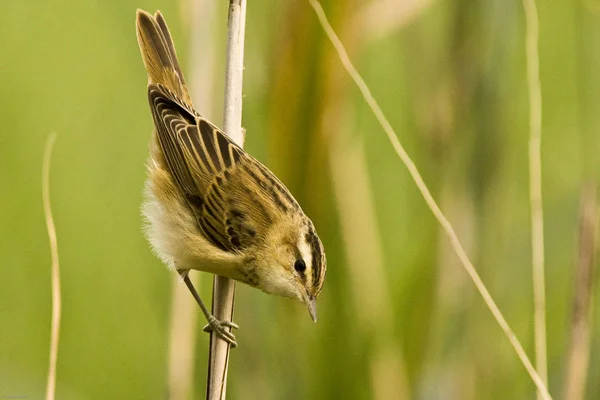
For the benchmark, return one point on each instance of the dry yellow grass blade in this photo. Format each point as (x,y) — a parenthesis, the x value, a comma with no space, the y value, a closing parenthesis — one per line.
(535,186)
(412,169)
(56,301)
(582,321)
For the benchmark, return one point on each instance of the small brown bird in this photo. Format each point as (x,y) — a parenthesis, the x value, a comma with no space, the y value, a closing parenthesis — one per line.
(212,207)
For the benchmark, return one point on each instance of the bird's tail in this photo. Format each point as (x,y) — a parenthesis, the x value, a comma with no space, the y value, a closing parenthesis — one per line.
(159,54)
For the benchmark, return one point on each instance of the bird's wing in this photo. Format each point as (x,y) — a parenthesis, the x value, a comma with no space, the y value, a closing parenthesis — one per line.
(205,164)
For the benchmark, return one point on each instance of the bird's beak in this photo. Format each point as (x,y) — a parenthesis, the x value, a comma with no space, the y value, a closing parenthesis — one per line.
(312,308)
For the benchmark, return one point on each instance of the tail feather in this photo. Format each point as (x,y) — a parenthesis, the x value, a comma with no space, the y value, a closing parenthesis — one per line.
(158,53)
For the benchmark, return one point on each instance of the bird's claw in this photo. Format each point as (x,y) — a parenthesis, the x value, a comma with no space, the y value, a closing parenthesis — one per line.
(219,327)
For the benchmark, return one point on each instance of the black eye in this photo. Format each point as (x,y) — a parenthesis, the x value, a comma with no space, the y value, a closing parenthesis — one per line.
(300,266)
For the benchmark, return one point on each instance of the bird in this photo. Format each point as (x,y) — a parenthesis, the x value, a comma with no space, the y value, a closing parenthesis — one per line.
(212,207)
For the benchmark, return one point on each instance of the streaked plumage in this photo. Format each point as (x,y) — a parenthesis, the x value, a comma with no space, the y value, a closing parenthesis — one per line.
(210,206)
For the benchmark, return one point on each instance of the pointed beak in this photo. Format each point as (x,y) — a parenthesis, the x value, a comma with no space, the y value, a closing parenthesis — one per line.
(312,309)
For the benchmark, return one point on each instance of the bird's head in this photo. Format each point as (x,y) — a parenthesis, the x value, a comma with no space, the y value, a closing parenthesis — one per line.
(291,263)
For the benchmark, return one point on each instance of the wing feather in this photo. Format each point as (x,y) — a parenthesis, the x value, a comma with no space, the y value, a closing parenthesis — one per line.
(201,160)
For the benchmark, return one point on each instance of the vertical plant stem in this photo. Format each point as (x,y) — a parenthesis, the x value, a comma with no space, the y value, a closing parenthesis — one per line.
(581,319)
(56,302)
(234,70)
(429,200)
(535,186)
(223,288)
(363,247)
(352,187)
(183,324)
(377,19)
(182,342)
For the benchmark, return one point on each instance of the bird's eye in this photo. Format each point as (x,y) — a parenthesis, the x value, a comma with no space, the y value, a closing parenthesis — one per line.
(300,266)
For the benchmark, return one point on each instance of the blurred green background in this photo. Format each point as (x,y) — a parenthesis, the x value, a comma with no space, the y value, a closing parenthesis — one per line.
(399,318)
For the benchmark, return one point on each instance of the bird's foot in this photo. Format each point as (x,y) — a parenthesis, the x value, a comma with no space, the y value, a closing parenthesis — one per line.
(220,328)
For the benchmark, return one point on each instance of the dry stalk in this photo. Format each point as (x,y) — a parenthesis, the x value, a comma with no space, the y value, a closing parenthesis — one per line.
(363,247)
(535,187)
(182,342)
(56,301)
(354,198)
(223,288)
(183,324)
(581,319)
(377,19)
(431,203)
